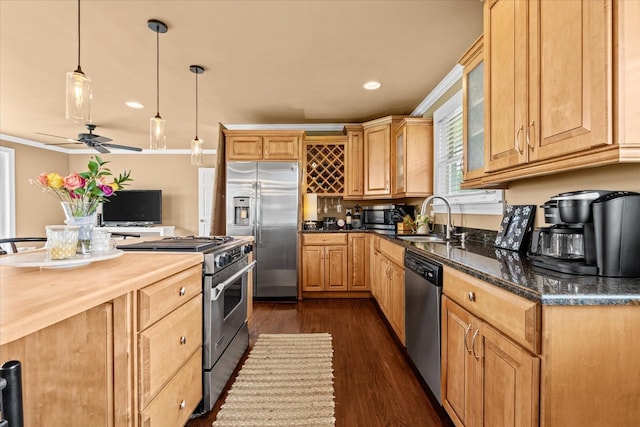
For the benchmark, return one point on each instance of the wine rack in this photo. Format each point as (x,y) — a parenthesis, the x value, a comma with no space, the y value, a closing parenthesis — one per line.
(324,168)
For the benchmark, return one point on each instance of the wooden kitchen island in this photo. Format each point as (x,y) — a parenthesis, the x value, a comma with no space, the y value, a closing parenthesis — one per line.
(112,343)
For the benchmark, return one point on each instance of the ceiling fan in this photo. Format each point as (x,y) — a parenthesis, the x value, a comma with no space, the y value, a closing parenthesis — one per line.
(97,142)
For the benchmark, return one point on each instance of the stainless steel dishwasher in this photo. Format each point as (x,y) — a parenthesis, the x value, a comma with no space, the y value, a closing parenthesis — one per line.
(423,292)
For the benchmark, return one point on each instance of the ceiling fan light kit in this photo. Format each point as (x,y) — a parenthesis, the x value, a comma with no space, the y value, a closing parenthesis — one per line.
(157,136)
(79,95)
(196,144)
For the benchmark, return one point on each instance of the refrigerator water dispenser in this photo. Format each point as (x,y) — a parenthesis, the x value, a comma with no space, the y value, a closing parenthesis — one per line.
(241,210)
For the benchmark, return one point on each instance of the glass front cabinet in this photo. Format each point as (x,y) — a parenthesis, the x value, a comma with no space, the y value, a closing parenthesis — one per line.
(473,114)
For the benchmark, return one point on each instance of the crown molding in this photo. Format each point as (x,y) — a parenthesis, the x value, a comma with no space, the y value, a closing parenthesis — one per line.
(445,84)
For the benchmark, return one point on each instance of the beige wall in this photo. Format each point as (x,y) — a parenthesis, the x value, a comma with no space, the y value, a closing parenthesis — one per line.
(173,174)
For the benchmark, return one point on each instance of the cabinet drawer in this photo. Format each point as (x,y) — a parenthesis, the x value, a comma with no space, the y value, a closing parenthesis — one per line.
(175,403)
(155,301)
(392,251)
(324,239)
(166,345)
(516,317)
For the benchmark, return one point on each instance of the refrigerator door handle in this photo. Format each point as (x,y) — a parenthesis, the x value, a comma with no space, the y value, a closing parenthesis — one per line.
(259,214)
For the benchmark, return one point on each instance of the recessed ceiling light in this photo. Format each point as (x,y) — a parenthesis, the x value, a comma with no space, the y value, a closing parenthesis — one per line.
(134,104)
(372,85)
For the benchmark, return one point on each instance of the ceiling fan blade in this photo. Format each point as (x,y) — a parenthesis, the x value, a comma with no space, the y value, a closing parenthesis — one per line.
(64,143)
(56,136)
(97,147)
(101,139)
(121,147)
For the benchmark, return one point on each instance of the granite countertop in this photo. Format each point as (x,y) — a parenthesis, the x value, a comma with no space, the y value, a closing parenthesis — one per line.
(513,272)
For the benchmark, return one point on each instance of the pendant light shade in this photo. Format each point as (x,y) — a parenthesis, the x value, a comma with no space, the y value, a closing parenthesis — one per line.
(157,136)
(196,144)
(78,105)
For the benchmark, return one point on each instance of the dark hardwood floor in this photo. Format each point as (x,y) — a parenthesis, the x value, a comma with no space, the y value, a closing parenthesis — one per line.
(374,382)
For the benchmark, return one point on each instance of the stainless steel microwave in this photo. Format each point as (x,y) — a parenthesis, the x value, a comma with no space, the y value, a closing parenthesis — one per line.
(384,217)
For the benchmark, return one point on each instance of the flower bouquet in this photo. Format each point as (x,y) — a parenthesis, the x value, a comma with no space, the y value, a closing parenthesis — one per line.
(81,193)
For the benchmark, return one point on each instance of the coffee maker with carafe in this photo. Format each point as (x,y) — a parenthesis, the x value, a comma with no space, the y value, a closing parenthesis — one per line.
(592,232)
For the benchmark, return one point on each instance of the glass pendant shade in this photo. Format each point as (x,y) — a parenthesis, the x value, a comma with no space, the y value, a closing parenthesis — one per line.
(78,97)
(196,151)
(157,139)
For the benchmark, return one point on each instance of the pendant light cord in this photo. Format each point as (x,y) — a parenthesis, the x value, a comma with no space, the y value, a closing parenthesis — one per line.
(158,71)
(79,69)
(196,106)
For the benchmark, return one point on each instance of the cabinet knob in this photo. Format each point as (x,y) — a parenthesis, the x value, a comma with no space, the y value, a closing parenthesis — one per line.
(183,291)
(472,296)
(183,340)
(182,405)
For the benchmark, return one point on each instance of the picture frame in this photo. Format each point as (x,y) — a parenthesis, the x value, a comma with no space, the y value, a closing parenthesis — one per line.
(515,228)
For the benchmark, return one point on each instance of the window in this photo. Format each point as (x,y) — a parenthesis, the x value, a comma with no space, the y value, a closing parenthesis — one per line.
(448,148)
(7,192)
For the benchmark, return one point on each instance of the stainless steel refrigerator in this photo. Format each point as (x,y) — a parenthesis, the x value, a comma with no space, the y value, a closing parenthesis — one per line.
(262,201)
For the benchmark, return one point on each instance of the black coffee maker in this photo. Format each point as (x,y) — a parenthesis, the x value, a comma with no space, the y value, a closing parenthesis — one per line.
(593,232)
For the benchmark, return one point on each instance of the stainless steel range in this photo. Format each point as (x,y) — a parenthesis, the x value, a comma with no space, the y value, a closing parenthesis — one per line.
(224,312)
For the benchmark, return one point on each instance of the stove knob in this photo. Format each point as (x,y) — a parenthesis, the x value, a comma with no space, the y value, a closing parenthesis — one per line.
(228,259)
(220,260)
(247,248)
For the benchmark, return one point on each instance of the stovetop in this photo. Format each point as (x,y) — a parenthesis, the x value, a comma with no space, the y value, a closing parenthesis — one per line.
(179,244)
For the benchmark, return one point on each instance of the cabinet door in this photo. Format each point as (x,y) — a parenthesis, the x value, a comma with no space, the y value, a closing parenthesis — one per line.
(506,381)
(244,147)
(473,138)
(398,154)
(505,29)
(570,45)
(354,187)
(396,299)
(281,147)
(377,155)
(457,362)
(313,268)
(358,262)
(335,268)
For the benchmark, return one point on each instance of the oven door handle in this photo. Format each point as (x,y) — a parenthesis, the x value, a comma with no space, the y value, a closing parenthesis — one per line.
(218,290)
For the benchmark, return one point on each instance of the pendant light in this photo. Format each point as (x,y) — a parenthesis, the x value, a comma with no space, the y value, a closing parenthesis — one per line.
(196,144)
(79,94)
(157,137)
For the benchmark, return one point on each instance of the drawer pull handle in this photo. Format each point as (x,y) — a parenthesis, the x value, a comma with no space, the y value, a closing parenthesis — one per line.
(466,334)
(182,404)
(472,296)
(183,291)
(473,344)
(183,340)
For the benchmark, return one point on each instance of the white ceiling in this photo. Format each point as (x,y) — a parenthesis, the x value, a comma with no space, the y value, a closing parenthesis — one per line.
(266,62)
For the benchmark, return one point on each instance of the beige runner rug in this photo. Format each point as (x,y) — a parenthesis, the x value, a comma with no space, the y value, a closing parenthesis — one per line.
(287,380)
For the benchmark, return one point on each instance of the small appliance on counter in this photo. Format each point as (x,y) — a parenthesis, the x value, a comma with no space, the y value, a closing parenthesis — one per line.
(383,218)
(592,232)
(329,223)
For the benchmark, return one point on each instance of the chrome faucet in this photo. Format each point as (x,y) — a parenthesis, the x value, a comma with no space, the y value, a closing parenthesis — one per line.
(449,227)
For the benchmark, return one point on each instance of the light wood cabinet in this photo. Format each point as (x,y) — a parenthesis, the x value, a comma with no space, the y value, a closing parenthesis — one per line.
(377,157)
(412,158)
(558,79)
(354,159)
(324,262)
(473,114)
(358,261)
(490,375)
(262,145)
(70,369)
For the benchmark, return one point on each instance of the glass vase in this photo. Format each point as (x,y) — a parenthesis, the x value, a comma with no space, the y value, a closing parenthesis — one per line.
(86,223)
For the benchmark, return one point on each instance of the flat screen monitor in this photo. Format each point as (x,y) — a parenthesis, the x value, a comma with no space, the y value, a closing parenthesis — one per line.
(133,208)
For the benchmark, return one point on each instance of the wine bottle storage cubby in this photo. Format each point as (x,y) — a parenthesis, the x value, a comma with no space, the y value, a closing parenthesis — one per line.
(324,169)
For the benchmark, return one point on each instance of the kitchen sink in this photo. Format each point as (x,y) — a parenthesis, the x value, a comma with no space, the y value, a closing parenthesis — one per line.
(422,239)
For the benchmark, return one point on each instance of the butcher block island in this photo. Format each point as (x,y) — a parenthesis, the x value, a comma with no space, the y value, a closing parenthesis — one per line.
(113,343)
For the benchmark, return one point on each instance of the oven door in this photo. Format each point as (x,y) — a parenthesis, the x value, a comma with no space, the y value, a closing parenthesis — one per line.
(225,297)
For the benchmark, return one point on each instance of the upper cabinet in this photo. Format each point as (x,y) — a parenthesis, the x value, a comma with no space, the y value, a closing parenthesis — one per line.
(412,158)
(262,145)
(377,157)
(324,165)
(551,103)
(473,113)
(354,159)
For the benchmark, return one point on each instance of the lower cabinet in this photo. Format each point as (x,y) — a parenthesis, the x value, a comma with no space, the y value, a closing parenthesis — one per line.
(324,262)
(358,261)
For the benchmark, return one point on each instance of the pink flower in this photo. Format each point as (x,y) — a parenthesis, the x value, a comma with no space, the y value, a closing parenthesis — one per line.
(107,190)
(73,181)
(42,179)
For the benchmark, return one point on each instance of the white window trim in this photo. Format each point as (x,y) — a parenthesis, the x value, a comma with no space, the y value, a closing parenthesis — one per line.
(8,192)
(482,202)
